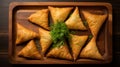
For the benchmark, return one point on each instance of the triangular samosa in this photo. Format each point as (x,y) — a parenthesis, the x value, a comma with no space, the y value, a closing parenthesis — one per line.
(75,22)
(24,34)
(91,51)
(60,52)
(76,44)
(30,51)
(45,39)
(40,17)
(59,14)
(95,19)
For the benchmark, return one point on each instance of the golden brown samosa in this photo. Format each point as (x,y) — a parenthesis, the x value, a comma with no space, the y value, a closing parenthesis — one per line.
(60,52)
(45,39)
(24,34)
(59,14)
(76,44)
(91,51)
(95,19)
(30,51)
(75,22)
(40,17)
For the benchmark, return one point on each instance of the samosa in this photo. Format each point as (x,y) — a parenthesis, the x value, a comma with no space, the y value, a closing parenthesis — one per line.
(75,21)
(24,34)
(59,14)
(45,40)
(30,51)
(91,51)
(60,52)
(95,19)
(76,44)
(40,18)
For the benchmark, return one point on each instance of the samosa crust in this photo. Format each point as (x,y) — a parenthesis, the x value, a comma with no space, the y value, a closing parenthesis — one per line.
(94,19)
(30,51)
(24,34)
(41,18)
(60,52)
(91,51)
(59,14)
(75,22)
(76,44)
(45,39)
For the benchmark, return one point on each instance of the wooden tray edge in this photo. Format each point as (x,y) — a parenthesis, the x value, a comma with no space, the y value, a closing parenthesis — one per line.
(14,4)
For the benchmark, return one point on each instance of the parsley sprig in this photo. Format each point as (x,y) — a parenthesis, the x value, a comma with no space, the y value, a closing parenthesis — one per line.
(59,33)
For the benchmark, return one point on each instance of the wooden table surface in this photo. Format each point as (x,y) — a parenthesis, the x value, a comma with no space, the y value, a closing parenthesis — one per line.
(4,5)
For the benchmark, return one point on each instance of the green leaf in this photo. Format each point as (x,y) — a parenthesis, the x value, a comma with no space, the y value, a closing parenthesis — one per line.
(59,32)
(85,23)
(90,37)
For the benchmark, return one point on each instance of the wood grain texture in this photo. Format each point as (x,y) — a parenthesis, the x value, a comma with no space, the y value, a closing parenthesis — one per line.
(4,5)
(19,12)
(4,12)
(4,29)
(4,62)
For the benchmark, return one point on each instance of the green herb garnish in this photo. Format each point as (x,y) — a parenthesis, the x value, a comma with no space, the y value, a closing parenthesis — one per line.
(59,33)
(37,44)
(90,37)
(58,44)
(72,32)
(85,23)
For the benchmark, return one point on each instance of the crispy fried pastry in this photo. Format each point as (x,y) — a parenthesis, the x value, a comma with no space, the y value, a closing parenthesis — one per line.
(75,22)
(40,17)
(59,14)
(24,34)
(30,51)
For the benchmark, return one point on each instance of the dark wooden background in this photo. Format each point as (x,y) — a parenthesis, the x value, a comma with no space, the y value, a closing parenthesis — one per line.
(4,5)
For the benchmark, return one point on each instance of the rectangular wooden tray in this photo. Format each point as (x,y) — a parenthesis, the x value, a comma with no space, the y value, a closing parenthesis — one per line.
(19,11)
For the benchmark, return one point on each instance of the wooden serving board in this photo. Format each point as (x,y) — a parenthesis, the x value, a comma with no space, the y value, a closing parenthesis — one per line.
(19,12)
